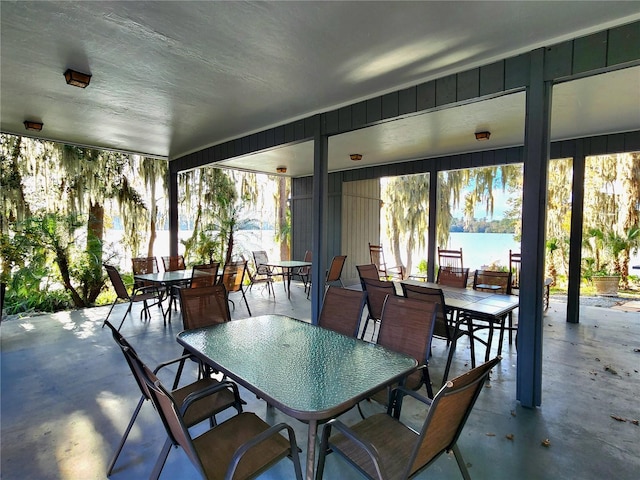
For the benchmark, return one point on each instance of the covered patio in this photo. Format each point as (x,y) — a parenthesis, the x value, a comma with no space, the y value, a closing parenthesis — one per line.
(62,416)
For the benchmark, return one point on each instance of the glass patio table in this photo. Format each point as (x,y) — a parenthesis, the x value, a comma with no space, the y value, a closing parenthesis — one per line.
(166,280)
(308,372)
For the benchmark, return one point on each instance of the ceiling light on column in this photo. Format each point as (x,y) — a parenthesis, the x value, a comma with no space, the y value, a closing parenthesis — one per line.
(35,126)
(77,79)
(481,136)
(355,157)
(281,169)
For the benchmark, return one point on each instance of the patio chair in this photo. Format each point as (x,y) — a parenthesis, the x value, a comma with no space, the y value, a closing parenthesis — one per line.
(450,258)
(233,279)
(240,447)
(406,327)
(496,282)
(264,274)
(382,447)
(333,273)
(367,271)
(305,272)
(223,395)
(377,291)
(204,275)
(376,253)
(446,326)
(202,307)
(342,310)
(453,277)
(138,294)
(143,265)
(172,264)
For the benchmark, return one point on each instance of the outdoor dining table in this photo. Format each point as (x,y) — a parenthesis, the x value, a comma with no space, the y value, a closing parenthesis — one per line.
(308,372)
(166,280)
(287,267)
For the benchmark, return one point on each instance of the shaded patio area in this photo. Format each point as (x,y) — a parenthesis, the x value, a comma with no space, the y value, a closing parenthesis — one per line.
(67,395)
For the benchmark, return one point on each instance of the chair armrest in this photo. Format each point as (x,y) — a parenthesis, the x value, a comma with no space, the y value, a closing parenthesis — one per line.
(412,393)
(205,392)
(261,437)
(171,362)
(371,450)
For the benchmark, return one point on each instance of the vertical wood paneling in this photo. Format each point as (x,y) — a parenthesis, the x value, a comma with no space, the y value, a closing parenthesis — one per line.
(361,224)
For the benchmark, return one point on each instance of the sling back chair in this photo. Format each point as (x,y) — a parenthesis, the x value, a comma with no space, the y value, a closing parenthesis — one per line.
(243,446)
(453,276)
(496,282)
(204,275)
(367,271)
(233,279)
(305,272)
(376,253)
(342,310)
(377,291)
(142,266)
(406,327)
(202,307)
(334,272)
(264,274)
(446,326)
(138,294)
(515,260)
(172,264)
(381,447)
(223,395)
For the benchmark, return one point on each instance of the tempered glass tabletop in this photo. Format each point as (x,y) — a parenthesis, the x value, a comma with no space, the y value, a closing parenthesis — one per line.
(306,371)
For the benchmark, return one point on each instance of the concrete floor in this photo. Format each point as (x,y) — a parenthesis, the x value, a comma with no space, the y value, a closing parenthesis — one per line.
(67,396)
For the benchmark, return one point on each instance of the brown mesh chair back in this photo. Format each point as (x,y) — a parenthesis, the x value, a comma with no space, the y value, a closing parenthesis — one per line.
(376,253)
(204,306)
(240,447)
(381,443)
(204,275)
(515,260)
(450,258)
(453,277)
(342,310)
(305,272)
(171,264)
(377,291)
(260,259)
(489,280)
(448,414)
(335,269)
(142,266)
(406,326)
(367,271)
(233,279)
(446,326)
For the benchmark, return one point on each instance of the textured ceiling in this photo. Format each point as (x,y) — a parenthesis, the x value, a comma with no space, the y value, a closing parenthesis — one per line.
(170,78)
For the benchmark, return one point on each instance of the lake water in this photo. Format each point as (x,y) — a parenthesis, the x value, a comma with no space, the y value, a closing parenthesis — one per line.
(478,249)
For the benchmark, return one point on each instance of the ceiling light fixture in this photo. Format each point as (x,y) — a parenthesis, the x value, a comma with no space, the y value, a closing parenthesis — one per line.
(36,126)
(480,136)
(355,157)
(77,79)
(281,169)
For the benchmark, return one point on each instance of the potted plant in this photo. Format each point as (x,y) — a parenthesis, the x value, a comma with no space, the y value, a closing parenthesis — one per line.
(605,276)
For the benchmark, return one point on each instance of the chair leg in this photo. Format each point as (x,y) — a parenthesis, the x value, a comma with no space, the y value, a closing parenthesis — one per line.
(126,434)
(162,458)
(125,315)
(452,349)
(245,301)
(461,465)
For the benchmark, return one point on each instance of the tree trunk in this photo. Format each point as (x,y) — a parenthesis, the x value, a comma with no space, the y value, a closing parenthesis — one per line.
(63,265)
(152,230)
(95,237)
(285,250)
